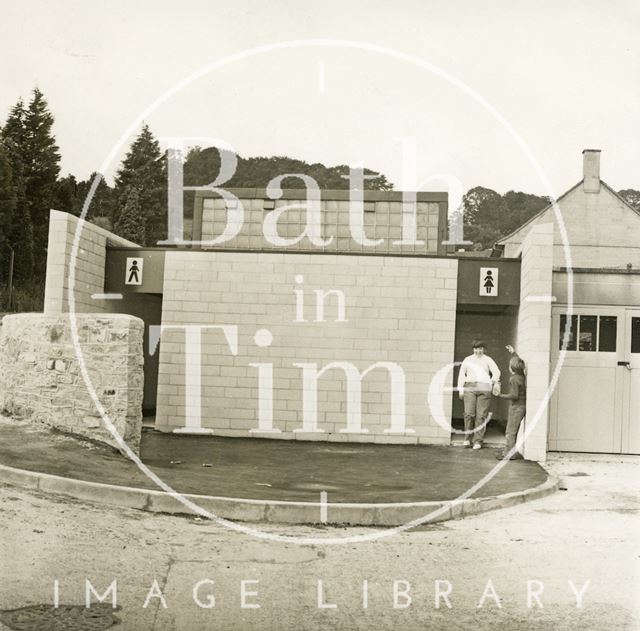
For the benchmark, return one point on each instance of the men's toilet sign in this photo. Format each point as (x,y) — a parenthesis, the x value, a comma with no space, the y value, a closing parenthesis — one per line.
(488,281)
(133,272)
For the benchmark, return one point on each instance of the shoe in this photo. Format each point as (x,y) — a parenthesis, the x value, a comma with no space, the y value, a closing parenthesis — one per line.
(477,445)
(466,443)
(516,456)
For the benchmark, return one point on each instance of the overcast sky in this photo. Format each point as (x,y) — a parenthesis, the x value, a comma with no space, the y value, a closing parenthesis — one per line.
(565,74)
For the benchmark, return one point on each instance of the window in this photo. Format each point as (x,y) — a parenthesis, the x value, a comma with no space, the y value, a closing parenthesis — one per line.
(607,334)
(568,342)
(635,335)
(588,333)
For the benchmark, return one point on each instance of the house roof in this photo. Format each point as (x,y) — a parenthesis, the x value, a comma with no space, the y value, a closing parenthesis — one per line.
(538,214)
(541,212)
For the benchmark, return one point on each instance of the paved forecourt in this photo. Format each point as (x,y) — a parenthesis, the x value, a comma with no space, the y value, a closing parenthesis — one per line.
(273,481)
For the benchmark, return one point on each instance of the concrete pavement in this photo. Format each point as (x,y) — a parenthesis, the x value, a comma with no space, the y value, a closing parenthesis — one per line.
(272,481)
(587,533)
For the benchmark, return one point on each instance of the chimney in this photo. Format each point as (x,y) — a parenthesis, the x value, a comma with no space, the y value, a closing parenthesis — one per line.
(591,170)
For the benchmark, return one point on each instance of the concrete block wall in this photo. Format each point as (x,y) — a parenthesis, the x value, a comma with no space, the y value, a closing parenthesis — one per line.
(382,220)
(398,309)
(40,374)
(89,264)
(534,334)
(602,230)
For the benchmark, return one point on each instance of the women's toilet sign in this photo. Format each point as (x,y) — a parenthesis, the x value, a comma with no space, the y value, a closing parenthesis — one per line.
(489,281)
(133,273)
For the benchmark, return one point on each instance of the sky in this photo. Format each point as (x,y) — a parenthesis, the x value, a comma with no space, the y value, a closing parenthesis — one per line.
(482,90)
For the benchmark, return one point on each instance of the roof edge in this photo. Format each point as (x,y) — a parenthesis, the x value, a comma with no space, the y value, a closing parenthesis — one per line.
(329,194)
(538,214)
(620,198)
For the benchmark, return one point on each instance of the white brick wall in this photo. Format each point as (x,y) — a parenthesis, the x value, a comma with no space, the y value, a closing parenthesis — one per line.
(398,309)
(385,222)
(534,333)
(89,264)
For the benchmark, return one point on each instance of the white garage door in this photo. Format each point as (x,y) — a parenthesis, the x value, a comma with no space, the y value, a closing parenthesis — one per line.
(596,404)
(631,427)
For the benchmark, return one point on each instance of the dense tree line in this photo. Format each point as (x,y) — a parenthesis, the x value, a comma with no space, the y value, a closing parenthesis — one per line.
(135,206)
(30,160)
(489,216)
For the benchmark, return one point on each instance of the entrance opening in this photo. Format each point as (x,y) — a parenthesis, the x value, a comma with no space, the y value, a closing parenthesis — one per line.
(147,307)
(497,326)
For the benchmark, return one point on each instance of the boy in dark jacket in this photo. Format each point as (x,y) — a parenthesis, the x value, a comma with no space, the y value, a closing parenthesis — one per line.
(517,408)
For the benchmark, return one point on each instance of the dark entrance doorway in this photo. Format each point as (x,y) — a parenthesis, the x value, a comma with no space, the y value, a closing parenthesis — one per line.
(497,326)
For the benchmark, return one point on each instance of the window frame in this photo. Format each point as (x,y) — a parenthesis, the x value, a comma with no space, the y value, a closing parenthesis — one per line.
(576,332)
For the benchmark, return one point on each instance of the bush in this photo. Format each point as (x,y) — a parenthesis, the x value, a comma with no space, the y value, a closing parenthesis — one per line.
(24,299)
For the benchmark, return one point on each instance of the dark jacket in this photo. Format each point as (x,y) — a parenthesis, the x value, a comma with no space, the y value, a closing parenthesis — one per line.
(518,388)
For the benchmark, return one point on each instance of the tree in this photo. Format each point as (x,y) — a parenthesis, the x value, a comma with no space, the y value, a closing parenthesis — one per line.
(70,196)
(520,208)
(102,203)
(40,158)
(631,196)
(8,205)
(17,218)
(144,169)
(483,210)
(65,195)
(203,165)
(489,216)
(131,223)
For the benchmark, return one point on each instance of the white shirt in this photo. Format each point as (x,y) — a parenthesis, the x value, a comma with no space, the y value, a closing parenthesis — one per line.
(478,368)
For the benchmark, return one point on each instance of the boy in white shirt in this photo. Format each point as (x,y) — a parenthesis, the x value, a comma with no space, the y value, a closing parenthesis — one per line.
(476,381)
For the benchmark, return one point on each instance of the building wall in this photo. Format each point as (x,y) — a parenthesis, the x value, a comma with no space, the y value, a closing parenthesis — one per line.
(383,219)
(602,230)
(89,264)
(534,334)
(398,309)
(598,288)
(40,374)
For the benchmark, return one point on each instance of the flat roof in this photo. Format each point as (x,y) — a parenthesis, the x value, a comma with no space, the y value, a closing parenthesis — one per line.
(328,194)
(316,251)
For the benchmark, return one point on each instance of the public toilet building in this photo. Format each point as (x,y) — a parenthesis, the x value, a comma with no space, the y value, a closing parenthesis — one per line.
(351,342)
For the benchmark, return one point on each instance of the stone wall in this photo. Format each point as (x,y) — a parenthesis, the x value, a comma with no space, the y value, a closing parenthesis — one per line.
(534,333)
(398,309)
(40,374)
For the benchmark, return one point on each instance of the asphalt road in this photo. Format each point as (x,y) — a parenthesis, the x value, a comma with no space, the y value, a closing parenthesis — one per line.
(589,532)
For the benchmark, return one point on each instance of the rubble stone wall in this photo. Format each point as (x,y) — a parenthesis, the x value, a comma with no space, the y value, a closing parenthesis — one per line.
(41,379)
